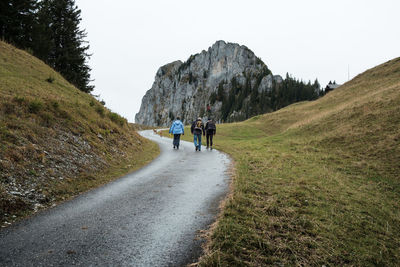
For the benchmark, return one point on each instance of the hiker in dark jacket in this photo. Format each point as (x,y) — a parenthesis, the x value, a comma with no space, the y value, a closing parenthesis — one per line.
(177,129)
(211,130)
(197,129)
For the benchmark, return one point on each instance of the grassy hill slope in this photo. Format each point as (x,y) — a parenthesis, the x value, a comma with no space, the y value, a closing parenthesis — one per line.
(317,183)
(56,141)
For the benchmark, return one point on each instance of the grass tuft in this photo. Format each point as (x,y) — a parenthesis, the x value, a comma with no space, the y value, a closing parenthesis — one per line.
(50,79)
(117,118)
(35,106)
(100,110)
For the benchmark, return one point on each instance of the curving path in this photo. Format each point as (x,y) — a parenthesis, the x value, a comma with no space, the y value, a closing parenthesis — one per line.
(147,218)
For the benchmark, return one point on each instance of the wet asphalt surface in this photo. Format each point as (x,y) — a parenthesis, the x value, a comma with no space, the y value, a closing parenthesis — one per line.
(148,218)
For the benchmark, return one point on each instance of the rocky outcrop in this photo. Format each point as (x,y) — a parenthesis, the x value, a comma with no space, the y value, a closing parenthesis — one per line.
(199,86)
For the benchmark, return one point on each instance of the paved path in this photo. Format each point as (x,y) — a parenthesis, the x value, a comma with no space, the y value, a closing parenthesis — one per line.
(147,218)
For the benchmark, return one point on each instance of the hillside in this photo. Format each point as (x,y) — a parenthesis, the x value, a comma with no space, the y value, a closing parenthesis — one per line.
(316,183)
(55,140)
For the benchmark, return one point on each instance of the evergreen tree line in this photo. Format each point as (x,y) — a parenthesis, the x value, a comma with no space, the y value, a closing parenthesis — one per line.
(49,29)
(241,102)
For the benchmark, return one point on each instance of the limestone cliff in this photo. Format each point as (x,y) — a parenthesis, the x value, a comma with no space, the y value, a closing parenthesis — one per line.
(199,86)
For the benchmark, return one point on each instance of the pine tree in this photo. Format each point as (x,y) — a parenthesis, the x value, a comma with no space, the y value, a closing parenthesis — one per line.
(43,45)
(61,43)
(17,21)
(317,89)
(220,91)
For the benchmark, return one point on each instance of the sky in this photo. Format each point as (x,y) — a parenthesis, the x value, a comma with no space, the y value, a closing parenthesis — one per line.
(328,40)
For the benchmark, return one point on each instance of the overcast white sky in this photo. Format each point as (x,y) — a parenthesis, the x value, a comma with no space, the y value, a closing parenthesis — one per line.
(308,39)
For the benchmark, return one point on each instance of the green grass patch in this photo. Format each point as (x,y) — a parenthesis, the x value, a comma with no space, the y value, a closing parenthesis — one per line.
(316,183)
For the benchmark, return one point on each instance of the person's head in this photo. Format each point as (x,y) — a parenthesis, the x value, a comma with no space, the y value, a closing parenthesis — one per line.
(199,119)
(178,118)
(209,119)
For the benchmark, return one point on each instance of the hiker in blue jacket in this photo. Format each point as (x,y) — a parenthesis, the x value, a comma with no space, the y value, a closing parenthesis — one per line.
(177,129)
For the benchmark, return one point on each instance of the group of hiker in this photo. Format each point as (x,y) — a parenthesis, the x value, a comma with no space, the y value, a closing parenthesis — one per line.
(197,129)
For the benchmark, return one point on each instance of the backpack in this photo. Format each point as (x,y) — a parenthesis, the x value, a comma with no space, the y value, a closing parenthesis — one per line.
(197,125)
(211,125)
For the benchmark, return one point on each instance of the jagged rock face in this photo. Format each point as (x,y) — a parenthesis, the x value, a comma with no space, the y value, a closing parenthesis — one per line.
(185,89)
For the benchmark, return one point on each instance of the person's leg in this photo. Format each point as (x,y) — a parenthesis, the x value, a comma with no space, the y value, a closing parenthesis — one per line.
(178,140)
(211,140)
(208,138)
(175,136)
(199,142)
(195,140)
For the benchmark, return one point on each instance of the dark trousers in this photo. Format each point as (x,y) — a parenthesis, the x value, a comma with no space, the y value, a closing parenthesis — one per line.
(209,139)
(177,138)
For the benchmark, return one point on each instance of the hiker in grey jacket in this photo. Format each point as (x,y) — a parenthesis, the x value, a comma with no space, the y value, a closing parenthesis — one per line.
(177,129)
(211,130)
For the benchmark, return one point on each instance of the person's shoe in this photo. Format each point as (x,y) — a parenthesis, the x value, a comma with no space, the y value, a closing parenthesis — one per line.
(211,147)
(196,148)
(177,147)
(174,147)
(207,147)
